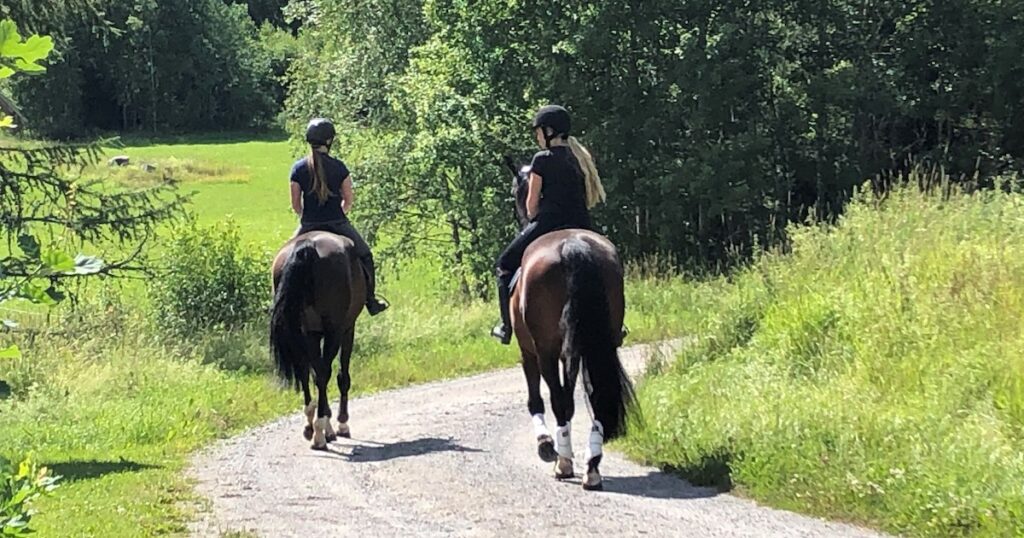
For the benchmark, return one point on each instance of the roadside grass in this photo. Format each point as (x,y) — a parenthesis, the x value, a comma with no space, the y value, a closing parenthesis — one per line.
(874,375)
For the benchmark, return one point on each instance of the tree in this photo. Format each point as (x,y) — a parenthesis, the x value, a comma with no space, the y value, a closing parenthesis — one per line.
(714,124)
(144,64)
(45,215)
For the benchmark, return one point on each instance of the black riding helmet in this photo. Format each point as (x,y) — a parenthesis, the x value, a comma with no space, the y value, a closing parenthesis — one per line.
(320,132)
(554,117)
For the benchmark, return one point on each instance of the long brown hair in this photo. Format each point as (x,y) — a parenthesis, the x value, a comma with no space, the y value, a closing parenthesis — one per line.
(315,163)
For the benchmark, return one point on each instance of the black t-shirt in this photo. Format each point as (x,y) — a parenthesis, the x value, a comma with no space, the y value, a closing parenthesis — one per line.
(313,211)
(563,191)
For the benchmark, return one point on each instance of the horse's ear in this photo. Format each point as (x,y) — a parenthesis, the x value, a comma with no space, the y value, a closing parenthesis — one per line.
(511,165)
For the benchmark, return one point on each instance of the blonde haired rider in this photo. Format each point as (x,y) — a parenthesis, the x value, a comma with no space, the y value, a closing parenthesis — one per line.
(563,186)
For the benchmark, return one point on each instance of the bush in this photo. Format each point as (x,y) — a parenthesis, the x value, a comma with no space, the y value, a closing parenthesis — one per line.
(211,280)
(20,484)
(872,375)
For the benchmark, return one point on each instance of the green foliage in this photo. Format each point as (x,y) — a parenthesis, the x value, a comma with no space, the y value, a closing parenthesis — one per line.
(267,11)
(178,65)
(871,375)
(21,484)
(282,48)
(713,123)
(44,213)
(211,280)
(19,56)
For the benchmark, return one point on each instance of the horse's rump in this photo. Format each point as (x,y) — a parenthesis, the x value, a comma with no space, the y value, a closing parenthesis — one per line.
(541,292)
(338,285)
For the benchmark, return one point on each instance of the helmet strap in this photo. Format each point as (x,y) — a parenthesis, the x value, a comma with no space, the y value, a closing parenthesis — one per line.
(549,135)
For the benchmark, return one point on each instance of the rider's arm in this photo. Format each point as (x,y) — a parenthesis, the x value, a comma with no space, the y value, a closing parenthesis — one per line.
(348,196)
(533,196)
(296,198)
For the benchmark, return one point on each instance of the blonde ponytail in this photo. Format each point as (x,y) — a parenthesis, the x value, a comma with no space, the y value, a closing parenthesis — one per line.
(318,183)
(595,191)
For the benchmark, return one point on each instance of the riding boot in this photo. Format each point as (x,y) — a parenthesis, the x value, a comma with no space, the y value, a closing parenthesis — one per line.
(503,331)
(374,305)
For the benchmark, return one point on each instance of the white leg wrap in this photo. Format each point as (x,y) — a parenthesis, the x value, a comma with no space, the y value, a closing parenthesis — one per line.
(595,442)
(539,427)
(563,441)
(329,429)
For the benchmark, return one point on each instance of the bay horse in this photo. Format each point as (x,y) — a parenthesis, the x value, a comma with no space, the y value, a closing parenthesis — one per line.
(319,291)
(567,311)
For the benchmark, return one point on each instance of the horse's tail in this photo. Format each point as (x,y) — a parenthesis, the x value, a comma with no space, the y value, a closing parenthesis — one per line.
(586,324)
(294,292)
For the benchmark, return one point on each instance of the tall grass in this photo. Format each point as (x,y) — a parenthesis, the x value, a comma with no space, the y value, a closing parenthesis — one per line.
(876,374)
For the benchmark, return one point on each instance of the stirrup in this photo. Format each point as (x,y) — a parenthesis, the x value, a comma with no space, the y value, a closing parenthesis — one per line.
(376,305)
(502,333)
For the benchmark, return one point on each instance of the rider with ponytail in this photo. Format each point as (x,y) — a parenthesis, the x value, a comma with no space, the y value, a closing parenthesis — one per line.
(321,193)
(563,186)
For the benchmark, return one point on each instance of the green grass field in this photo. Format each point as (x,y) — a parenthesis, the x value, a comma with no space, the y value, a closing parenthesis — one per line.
(117,407)
(874,375)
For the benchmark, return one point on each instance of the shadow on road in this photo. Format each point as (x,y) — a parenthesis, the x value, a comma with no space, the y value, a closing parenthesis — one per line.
(656,485)
(368,452)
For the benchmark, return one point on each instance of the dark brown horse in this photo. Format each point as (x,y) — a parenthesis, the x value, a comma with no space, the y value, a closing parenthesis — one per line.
(319,291)
(567,312)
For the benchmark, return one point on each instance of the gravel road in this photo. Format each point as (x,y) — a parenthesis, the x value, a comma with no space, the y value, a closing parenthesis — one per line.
(458,458)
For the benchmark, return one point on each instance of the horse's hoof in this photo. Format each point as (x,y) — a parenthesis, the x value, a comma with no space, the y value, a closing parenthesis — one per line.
(320,448)
(592,480)
(308,433)
(346,435)
(546,449)
(563,469)
(343,431)
(332,438)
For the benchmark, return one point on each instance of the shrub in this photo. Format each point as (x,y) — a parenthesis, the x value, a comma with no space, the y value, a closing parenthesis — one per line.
(20,484)
(210,280)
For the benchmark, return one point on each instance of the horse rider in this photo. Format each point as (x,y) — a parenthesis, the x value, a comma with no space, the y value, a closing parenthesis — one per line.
(562,188)
(321,194)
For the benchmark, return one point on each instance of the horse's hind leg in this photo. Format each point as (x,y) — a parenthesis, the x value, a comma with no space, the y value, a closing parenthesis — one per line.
(563,434)
(321,375)
(535,403)
(592,480)
(345,381)
(332,342)
(309,408)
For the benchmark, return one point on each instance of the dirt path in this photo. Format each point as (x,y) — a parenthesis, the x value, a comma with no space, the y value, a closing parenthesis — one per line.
(457,459)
